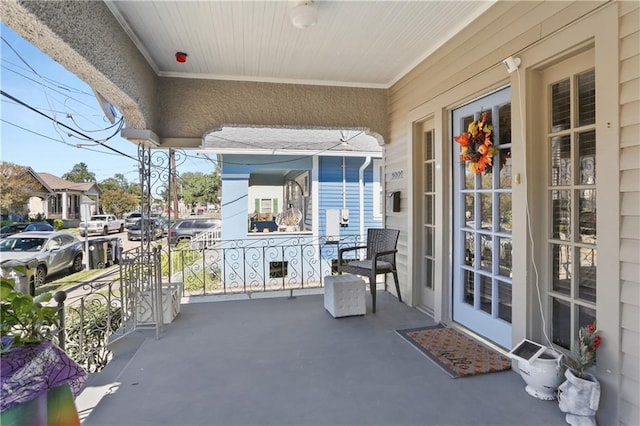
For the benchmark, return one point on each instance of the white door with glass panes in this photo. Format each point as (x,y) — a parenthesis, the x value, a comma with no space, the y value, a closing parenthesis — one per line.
(482,217)
(571,244)
(426,139)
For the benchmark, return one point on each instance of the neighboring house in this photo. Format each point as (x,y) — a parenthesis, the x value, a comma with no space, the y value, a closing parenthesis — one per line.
(316,178)
(67,199)
(549,241)
(335,189)
(41,192)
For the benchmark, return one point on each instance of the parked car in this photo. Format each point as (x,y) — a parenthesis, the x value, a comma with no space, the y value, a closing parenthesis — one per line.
(101,224)
(165,223)
(39,226)
(186,229)
(12,228)
(147,228)
(45,252)
(131,219)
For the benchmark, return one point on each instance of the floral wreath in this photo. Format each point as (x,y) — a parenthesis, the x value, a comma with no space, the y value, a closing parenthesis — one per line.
(476,146)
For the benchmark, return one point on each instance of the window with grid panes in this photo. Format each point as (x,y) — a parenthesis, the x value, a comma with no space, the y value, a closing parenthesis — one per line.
(571,192)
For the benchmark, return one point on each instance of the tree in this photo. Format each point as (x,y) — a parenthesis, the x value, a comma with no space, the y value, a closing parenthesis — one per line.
(118,201)
(118,181)
(200,188)
(79,174)
(17,185)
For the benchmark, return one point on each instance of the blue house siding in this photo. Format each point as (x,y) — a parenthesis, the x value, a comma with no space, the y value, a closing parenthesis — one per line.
(235,172)
(331,189)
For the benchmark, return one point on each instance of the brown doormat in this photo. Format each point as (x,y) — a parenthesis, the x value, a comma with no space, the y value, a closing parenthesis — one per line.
(457,354)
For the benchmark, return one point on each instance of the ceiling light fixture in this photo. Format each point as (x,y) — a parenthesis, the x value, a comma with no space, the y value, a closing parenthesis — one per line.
(304,15)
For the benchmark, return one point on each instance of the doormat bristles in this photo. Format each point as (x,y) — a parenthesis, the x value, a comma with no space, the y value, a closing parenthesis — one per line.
(454,352)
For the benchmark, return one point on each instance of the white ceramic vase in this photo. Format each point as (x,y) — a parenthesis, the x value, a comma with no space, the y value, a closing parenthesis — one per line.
(579,398)
(543,375)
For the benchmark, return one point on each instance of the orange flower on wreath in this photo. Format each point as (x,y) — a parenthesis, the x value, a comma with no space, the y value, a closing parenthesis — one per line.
(476,145)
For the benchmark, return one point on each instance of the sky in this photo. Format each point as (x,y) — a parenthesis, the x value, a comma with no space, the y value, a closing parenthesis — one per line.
(28,138)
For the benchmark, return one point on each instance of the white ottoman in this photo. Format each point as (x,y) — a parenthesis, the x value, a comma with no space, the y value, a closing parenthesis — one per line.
(344,295)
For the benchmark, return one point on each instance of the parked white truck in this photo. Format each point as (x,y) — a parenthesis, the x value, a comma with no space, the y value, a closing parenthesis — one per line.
(101,224)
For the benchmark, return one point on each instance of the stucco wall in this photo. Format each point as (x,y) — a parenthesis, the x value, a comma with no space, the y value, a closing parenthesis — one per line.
(191,107)
(101,53)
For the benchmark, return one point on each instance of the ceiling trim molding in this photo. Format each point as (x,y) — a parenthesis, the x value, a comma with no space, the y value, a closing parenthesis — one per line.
(273,80)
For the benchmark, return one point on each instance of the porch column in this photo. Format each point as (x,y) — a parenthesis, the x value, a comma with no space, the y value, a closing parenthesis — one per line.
(65,205)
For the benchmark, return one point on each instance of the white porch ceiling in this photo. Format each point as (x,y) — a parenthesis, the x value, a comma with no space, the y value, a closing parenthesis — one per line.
(290,141)
(355,43)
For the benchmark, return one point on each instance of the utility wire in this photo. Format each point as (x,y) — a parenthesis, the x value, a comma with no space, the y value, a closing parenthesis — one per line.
(56,140)
(3,93)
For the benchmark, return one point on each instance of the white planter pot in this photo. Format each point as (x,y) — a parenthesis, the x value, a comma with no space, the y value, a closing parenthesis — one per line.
(542,376)
(579,398)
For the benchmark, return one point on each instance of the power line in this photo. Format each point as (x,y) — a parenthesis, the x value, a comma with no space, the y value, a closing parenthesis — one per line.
(56,140)
(3,93)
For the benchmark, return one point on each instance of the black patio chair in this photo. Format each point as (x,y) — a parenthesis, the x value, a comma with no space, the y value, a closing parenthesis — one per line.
(380,259)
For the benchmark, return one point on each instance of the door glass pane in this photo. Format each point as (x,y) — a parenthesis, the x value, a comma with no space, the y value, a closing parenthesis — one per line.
(469,248)
(428,275)
(505,261)
(505,169)
(560,106)
(502,134)
(469,212)
(561,268)
(486,179)
(561,160)
(505,212)
(586,88)
(428,208)
(504,301)
(586,316)
(561,214)
(428,146)
(587,154)
(561,333)
(428,177)
(469,178)
(485,294)
(469,292)
(486,253)
(486,211)
(587,274)
(587,215)
(429,242)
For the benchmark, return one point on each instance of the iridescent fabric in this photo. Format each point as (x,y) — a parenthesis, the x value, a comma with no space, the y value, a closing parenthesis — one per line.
(30,371)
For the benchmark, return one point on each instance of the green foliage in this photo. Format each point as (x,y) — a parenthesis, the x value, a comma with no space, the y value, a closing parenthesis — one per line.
(100,321)
(17,185)
(200,188)
(118,201)
(196,276)
(118,181)
(80,174)
(58,224)
(24,318)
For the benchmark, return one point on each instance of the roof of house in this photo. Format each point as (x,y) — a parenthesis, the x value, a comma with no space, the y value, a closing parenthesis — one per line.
(291,141)
(36,180)
(59,184)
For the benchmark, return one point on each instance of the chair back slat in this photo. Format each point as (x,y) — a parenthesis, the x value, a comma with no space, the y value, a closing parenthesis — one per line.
(381,239)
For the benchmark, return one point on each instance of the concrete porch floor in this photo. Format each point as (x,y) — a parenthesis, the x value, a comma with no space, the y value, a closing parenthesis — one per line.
(280,361)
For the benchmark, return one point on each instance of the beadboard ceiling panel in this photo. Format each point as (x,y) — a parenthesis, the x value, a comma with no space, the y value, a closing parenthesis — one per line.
(355,43)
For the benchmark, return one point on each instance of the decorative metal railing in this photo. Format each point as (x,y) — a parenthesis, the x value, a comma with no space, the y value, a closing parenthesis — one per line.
(132,296)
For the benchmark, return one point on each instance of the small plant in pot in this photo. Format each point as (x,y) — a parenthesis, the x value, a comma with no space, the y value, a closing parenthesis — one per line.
(24,320)
(579,395)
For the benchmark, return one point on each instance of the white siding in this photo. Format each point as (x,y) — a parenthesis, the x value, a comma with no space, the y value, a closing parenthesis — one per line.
(630,211)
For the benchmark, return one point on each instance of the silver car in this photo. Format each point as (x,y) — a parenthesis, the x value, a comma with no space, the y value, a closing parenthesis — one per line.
(44,252)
